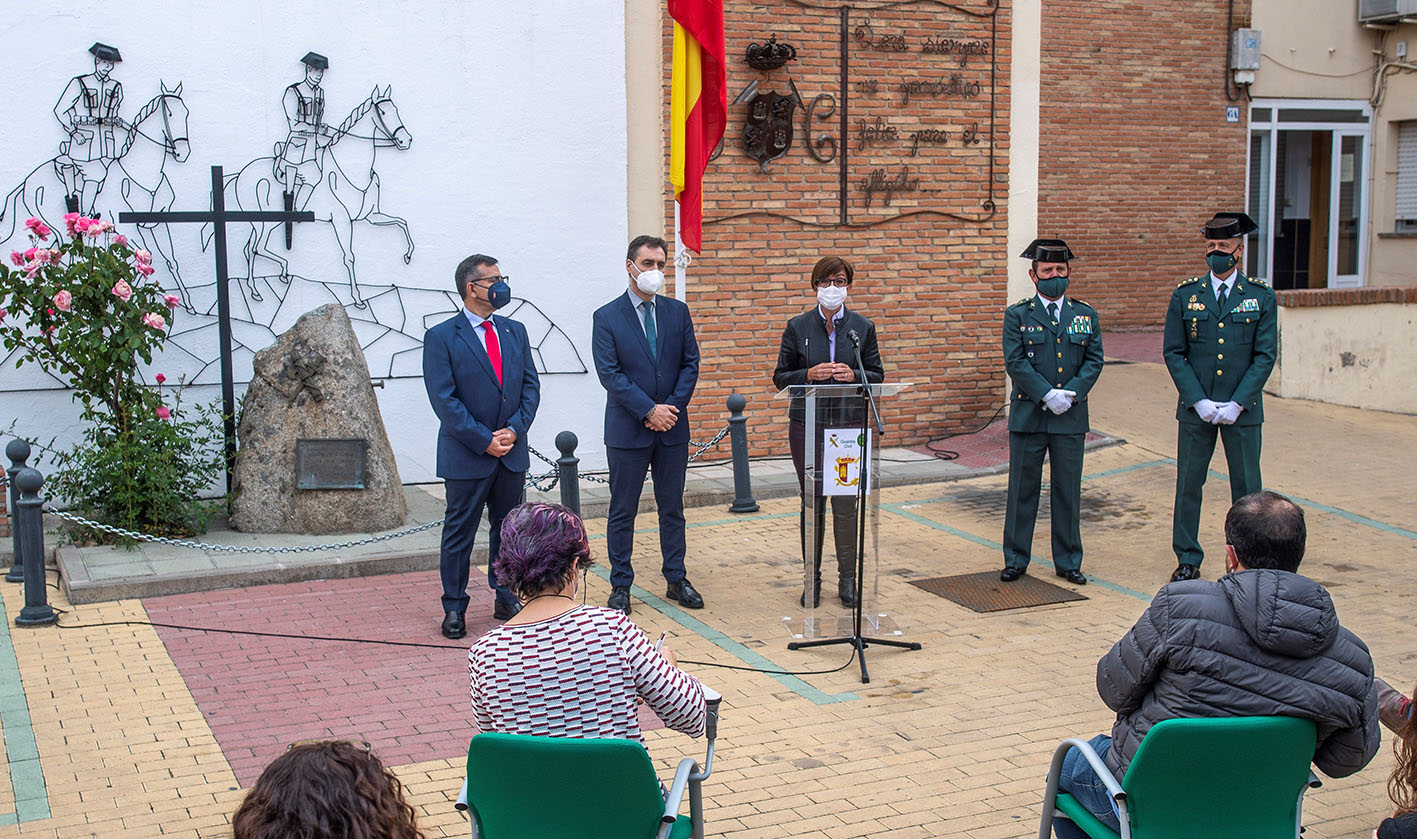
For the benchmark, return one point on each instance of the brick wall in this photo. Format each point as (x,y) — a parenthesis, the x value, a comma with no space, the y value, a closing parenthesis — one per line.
(933,282)
(1135,151)
(1292,298)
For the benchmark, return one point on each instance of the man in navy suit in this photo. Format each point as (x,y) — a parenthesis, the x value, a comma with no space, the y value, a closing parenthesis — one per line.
(481,380)
(648,361)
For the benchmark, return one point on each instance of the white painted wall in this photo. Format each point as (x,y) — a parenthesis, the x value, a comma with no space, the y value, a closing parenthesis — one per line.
(518,117)
(1324,357)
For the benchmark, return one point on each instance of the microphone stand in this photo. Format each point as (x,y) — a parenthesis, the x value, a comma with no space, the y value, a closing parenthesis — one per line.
(856,639)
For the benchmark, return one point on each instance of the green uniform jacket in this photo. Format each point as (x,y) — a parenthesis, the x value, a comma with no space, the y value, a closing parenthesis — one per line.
(1040,357)
(1222,356)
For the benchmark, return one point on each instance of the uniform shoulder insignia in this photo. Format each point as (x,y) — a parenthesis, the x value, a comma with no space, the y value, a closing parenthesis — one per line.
(1023,301)
(1257,281)
(1082,303)
(1188,282)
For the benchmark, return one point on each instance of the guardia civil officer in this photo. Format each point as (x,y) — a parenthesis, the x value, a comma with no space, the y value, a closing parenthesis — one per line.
(1221,336)
(1053,353)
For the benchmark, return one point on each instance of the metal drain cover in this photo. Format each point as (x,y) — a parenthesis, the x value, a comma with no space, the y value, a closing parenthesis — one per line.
(984,593)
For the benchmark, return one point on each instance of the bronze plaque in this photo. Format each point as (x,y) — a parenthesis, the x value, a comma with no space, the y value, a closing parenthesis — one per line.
(330,464)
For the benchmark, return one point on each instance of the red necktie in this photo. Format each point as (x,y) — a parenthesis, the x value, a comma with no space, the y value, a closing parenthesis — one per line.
(494,350)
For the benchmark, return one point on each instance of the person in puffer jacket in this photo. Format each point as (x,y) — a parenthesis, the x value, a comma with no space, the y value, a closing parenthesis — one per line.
(1260,641)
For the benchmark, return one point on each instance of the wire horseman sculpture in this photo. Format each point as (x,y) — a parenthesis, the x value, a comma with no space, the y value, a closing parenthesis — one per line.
(345,187)
(141,149)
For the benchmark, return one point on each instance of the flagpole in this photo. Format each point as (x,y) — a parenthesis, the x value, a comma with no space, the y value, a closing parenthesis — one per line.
(682,259)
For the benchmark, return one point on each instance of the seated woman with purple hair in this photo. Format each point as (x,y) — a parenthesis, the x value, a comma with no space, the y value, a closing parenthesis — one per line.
(562,669)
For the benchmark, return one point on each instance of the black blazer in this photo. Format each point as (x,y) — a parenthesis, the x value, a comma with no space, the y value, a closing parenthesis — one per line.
(805,344)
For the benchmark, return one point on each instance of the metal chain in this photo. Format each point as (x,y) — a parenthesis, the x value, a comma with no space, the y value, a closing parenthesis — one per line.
(550,480)
(241,549)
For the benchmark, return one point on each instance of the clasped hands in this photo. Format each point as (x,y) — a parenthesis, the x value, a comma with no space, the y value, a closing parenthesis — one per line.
(662,418)
(1218,413)
(1059,401)
(502,442)
(830,371)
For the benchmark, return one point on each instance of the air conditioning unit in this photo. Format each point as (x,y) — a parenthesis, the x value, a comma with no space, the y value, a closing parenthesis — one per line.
(1386,11)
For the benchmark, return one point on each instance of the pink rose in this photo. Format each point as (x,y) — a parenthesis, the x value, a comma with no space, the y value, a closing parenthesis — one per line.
(155,320)
(55,256)
(162,412)
(3,313)
(17,258)
(29,253)
(160,378)
(71,221)
(63,300)
(32,268)
(143,255)
(120,239)
(122,290)
(82,224)
(41,255)
(95,229)
(171,300)
(51,330)
(38,228)
(145,269)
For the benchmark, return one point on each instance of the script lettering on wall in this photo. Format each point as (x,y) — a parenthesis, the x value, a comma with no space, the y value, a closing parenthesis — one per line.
(899,114)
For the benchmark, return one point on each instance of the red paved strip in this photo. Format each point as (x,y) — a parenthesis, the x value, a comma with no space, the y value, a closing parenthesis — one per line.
(261,694)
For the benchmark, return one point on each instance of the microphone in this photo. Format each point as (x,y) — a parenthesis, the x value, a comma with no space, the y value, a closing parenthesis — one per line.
(855,339)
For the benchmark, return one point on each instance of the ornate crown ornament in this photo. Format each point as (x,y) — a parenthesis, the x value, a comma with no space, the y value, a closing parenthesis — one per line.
(771,55)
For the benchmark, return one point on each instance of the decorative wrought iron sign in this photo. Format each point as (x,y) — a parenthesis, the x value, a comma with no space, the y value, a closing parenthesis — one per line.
(904,111)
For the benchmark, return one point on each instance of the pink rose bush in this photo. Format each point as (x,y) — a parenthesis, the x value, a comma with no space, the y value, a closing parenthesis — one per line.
(122,290)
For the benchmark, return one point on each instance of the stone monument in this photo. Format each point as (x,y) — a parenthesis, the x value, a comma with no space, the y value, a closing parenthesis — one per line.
(314,456)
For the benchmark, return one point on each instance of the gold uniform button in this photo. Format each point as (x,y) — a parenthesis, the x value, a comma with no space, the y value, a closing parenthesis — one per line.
(1219,372)
(1222,325)
(1060,340)
(1060,355)
(1219,357)
(1222,340)
(1060,369)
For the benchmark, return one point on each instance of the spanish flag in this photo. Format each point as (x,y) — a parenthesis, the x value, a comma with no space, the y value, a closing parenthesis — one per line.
(698,107)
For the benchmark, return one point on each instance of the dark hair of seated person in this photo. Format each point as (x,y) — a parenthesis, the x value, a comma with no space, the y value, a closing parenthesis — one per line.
(1266,530)
(326,790)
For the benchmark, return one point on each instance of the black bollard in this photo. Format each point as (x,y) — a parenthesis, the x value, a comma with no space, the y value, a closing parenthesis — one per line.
(18,451)
(29,521)
(569,465)
(738,436)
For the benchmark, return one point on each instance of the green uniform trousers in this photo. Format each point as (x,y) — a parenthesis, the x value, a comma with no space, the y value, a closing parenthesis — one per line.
(1195,444)
(1065,494)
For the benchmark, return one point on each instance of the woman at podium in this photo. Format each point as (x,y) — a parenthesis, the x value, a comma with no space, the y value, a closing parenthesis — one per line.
(825,345)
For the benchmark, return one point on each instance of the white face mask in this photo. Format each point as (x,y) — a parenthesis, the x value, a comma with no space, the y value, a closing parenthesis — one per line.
(831,297)
(651,281)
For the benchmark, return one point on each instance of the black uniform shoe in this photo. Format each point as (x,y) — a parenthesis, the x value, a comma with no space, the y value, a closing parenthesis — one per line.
(619,599)
(1009,574)
(1073,576)
(1185,572)
(683,591)
(454,626)
(502,609)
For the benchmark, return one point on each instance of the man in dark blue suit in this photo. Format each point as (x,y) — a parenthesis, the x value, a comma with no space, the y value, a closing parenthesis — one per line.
(481,380)
(648,361)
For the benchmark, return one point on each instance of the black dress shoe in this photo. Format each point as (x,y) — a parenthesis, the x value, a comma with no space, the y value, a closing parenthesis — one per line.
(1073,576)
(619,599)
(502,609)
(1009,574)
(683,591)
(454,626)
(1185,572)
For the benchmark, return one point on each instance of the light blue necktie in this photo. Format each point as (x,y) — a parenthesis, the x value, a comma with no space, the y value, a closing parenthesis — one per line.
(651,332)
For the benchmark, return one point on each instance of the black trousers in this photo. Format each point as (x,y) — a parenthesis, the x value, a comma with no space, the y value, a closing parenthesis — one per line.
(843,509)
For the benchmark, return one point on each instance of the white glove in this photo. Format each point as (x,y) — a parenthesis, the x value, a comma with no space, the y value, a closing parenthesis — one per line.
(1058,401)
(1207,410)
(1228,413)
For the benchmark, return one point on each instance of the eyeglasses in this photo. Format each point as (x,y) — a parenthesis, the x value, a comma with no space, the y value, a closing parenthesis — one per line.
(839,282)
(358,744)
(493,279)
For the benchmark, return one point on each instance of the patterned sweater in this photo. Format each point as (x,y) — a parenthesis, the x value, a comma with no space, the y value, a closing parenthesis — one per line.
(578,675)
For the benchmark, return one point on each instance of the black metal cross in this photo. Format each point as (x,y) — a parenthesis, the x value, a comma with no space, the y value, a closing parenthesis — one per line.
(219,216)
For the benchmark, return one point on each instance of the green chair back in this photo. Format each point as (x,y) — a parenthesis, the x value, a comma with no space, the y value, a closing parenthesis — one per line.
(561,788)
(1234,777)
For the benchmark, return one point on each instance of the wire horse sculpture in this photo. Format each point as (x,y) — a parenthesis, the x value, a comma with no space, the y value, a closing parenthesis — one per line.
(348,189)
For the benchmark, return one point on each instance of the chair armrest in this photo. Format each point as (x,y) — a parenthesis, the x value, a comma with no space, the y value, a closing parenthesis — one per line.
(683,774)
(461,802)
(1055,768)
(1314,782)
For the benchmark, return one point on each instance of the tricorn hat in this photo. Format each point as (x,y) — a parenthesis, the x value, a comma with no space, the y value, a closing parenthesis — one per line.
(1048,250)
(1229,226)
(315,61)
(104,52)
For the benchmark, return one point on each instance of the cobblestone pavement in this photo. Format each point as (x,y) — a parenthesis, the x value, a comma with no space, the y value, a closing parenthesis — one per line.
(126,730)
